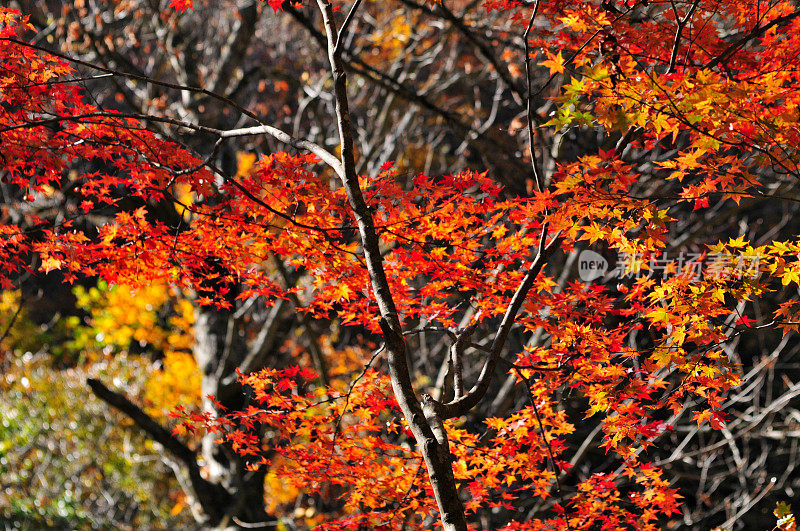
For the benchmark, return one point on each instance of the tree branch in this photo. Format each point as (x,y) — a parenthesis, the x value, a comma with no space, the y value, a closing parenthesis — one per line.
(236,47)
(485,144)
(438,459)
(137,77)
(265,340)
(347,21)
(276,133)
(212,497)
(11,321)
(456,354)
(153,429)
(460,406)
(529,99)
(286,138)
(317,356)
(754,33)
(679,34)
(484,48)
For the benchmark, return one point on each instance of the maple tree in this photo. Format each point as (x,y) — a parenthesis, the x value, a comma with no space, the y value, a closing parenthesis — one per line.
(696,108)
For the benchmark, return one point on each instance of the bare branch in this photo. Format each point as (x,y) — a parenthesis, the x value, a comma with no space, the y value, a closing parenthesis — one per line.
(484,48)
(679,34)
(456,354)
(752,34)
(137,77)
(153,429)
(212,497)
(236,48)
(347,21)
(265,340)
(11,321)
(278,134)
(286,138)
(313,338)
(529,99)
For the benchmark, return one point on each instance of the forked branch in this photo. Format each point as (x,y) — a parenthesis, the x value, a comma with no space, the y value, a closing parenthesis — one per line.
(462,405)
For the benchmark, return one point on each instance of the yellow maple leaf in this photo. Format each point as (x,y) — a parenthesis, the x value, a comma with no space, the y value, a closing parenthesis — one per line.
(659,315)
(555,63)
(50,263)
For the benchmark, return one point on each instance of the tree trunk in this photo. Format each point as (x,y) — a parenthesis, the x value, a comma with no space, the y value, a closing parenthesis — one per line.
(218,352)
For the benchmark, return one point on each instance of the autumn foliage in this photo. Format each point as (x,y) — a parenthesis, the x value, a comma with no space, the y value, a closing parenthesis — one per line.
(697,103)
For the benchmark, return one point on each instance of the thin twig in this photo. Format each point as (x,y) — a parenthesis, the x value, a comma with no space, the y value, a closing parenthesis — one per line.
(529,112)
(137,77)
(11,322)
(556,469)
(347,21)
(679,34)
(755,32)
(347,396)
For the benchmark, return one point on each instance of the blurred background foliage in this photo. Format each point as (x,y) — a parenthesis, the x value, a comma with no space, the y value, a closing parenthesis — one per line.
(68,461)
(66,458)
